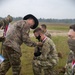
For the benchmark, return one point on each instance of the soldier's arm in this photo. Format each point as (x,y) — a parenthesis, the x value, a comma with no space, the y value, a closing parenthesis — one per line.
(49,35)
(26,39)
(45,51)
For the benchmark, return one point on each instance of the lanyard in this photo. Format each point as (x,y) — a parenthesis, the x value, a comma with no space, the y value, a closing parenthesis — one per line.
(44,39)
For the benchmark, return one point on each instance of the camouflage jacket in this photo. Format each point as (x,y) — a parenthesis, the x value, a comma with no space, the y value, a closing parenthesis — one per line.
(71,56)
(48,34)
(5,21)
(3,24)
(48,53)
(17,34)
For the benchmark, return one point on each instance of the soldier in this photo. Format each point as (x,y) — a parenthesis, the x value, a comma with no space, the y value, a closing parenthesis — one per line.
(18,34)
(44,28)
(4,25)
(70,66)
(45,57)
(4,22)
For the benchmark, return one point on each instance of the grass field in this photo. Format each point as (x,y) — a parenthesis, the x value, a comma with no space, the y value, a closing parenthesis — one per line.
(56,26)
(61,45)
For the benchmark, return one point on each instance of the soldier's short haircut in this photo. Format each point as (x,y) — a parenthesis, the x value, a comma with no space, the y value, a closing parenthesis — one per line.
(37,30)
(44,26)
(72,27)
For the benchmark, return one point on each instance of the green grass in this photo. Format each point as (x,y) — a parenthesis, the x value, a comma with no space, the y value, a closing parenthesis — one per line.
(64,28)
(54,26)
(61,46)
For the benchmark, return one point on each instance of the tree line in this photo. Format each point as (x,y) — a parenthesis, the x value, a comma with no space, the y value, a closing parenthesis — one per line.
(48,20)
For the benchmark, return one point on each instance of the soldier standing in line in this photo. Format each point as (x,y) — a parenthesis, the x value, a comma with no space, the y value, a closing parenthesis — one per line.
(45,57)
(4,23)
(18,34)
(70,66)
(44,28)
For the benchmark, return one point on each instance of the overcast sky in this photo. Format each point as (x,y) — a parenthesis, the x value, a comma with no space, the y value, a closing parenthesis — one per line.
(60,9)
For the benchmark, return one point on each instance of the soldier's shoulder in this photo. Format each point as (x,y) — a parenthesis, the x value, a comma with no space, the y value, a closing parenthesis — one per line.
(49,41)
(48,33)
(19,23)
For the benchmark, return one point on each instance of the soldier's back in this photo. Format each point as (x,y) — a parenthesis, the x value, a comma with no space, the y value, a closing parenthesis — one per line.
(14,35)
(48,34)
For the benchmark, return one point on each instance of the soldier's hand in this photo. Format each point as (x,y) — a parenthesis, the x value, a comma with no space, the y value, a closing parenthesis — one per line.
(39,43)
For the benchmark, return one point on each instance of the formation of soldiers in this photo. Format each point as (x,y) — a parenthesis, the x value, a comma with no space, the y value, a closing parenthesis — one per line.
(45,54)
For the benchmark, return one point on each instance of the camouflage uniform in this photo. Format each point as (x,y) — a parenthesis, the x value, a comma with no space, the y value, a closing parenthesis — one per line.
(71,57)
(47,60)
(4,24)
(48,34)
(18,34)
(5,21)
(10,56)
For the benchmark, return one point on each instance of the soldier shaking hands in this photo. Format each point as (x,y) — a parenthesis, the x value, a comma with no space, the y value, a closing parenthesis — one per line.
(18,34)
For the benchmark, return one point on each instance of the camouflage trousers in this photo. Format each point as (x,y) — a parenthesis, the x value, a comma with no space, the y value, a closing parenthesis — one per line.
(37,70)
(12,59)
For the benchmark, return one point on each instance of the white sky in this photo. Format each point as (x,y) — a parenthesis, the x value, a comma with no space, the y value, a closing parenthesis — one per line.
(60,9)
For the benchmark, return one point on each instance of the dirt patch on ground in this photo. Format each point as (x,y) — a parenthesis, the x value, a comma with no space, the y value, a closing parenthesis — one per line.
(55,33)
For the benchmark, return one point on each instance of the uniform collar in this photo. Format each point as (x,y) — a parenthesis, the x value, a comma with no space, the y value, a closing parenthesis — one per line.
(44,39)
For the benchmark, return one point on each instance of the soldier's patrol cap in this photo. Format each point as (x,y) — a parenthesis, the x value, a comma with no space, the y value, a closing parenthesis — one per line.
(32,17)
